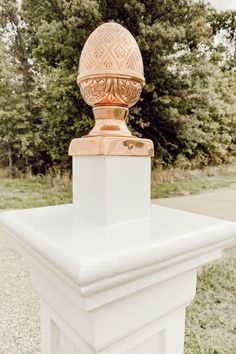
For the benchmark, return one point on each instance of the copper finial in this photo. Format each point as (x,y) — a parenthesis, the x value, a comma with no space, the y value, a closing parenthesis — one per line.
(111,80)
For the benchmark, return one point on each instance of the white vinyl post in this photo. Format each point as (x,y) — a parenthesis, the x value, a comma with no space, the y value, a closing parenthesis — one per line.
(120,283)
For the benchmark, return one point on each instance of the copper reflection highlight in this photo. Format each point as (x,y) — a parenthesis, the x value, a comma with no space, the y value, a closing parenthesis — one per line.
(111,79)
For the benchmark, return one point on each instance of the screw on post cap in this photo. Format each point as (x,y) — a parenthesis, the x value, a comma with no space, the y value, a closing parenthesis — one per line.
(111,80)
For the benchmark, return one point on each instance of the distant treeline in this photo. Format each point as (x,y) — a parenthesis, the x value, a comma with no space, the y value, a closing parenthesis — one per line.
(188,106)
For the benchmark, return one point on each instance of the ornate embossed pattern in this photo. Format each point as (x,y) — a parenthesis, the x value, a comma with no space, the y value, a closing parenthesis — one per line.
(111,48)
(110,91)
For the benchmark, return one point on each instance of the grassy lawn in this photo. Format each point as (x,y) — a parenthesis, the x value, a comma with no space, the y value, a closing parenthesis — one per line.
(211,318)
(193,185)
(39,191)
(33,192)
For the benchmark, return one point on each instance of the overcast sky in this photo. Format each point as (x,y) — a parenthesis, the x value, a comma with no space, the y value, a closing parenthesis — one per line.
(224,4)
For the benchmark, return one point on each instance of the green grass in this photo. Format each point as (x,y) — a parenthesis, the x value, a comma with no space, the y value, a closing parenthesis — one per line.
(38,191)
(33,192)
(211,318)
(193,185)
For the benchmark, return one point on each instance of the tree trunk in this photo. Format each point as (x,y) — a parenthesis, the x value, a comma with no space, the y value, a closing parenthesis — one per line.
(10,161)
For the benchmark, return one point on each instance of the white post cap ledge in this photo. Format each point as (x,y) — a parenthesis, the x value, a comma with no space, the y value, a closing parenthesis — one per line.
(120,288)
(110,254)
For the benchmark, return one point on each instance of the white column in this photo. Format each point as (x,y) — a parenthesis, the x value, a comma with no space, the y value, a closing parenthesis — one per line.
(57,337)
(111,189)
(120,284)
(149,321)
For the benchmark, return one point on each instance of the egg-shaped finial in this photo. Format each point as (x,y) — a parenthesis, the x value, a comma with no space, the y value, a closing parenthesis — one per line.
(111,50)
(111,67)
(110,77)
(111,80)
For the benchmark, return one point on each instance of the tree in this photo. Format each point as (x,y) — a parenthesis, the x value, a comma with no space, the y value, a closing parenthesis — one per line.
(13,114)
(56,42)
(187,106)
(176,41)
(19,116)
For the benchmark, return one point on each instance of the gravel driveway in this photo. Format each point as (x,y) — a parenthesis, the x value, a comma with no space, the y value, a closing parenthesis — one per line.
(19,303)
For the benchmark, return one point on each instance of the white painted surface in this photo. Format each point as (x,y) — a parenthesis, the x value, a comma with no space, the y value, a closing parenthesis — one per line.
(110,189)
(114,272)
(88,254)
(128,323)
(115,289)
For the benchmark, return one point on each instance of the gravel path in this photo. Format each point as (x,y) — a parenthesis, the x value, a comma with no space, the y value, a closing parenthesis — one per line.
(19,303)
